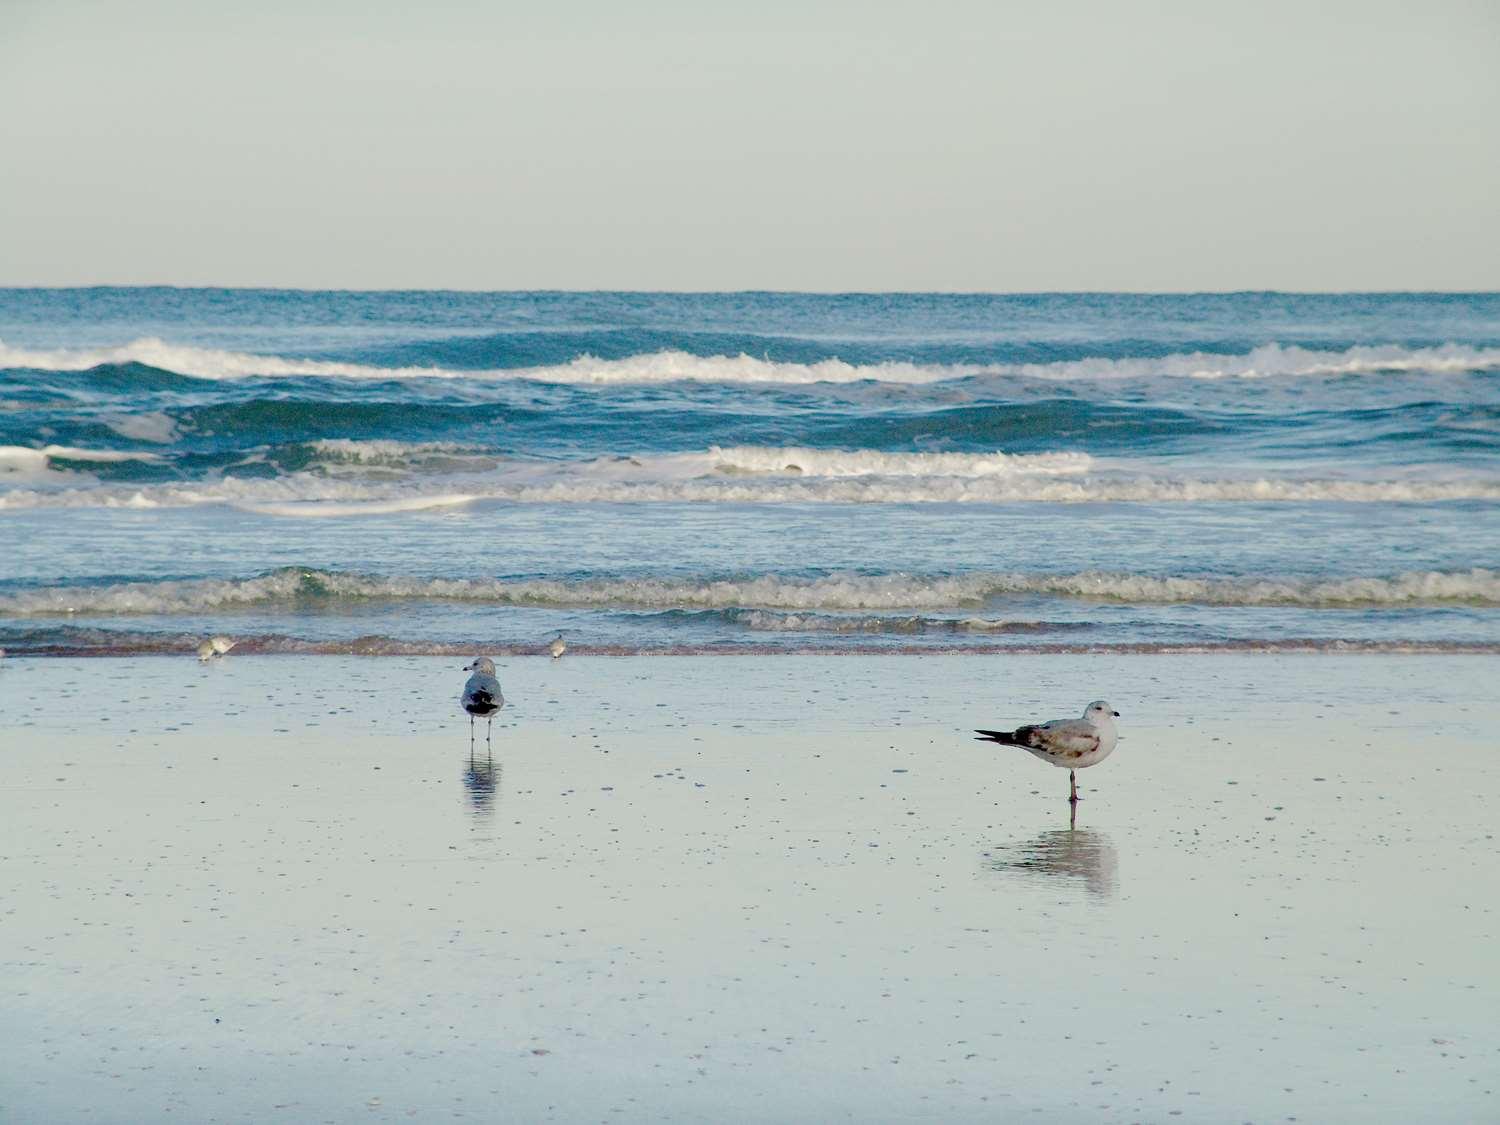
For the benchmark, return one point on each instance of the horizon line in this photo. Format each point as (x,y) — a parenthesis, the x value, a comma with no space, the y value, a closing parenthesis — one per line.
(10,287)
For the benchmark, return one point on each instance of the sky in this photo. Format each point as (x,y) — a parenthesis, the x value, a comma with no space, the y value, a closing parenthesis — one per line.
(945,145)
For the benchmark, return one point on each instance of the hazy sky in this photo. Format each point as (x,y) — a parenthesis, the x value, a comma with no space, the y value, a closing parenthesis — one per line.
(656,144)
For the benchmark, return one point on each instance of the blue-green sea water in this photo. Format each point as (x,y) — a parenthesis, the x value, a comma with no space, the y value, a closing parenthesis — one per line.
(439,471)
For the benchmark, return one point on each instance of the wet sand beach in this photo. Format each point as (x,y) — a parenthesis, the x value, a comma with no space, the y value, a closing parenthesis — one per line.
(748,888)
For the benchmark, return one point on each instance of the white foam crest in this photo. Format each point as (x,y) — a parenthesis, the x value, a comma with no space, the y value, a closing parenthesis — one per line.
(691,478)
(378,457)
(678,366)
(884,592)
(27,455)
(200,363)
(25,460)
(20,459)
(861,463)
(1476,586)
(382,451)
(655,367)
(1270,360)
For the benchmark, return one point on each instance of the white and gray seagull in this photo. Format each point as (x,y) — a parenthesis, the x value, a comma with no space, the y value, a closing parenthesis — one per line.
(214,647)
(558,647)
(1072,744)
(481,697)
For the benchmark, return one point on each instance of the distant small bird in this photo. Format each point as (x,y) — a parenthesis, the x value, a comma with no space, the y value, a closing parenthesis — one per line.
(215,646)
(481,697)
(557,647)
(1072,744)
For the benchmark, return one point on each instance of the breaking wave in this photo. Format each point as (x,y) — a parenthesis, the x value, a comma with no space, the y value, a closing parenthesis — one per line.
(24,459)
(681,366)
(309,588)
(344,477)
(306,495)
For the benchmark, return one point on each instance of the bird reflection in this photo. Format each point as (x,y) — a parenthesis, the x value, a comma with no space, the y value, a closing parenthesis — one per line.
(482,783)
(1062,853)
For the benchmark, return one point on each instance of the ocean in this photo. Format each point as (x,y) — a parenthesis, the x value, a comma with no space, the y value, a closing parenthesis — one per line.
(436,472)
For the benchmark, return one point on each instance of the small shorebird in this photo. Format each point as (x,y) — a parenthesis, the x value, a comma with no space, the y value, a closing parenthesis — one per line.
(481,697)
(1072,744)
(215,646)
(557,647)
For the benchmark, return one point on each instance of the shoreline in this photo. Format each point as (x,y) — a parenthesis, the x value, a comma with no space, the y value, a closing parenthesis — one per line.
(384,647)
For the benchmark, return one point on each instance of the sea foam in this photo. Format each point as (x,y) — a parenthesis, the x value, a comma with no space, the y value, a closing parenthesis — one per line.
(870,463)
(318,496)
(341,477)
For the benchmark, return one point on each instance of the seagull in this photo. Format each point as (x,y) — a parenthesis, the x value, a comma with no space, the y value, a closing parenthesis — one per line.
(481,697)
(558,647)
(1071,743)
(215,646)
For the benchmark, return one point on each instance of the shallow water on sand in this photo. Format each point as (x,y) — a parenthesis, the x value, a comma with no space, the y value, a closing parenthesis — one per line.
(747,888)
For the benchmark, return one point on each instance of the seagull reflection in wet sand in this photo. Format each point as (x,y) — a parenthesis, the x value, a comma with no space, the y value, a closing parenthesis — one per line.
(1062,853)
(482,782)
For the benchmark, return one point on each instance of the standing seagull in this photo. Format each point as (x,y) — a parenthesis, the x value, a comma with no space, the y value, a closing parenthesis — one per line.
(481,697)
(557,647)
(1071,743)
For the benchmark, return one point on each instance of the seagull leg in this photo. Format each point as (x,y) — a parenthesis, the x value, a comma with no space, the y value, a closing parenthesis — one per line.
(471,735)
(1073,797)
(489,727)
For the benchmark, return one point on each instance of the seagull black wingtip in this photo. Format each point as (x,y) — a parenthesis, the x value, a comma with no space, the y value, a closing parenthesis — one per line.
(1003,737)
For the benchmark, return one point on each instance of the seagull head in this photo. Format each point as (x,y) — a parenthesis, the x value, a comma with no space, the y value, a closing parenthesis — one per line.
(481,664)
(1100,711)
